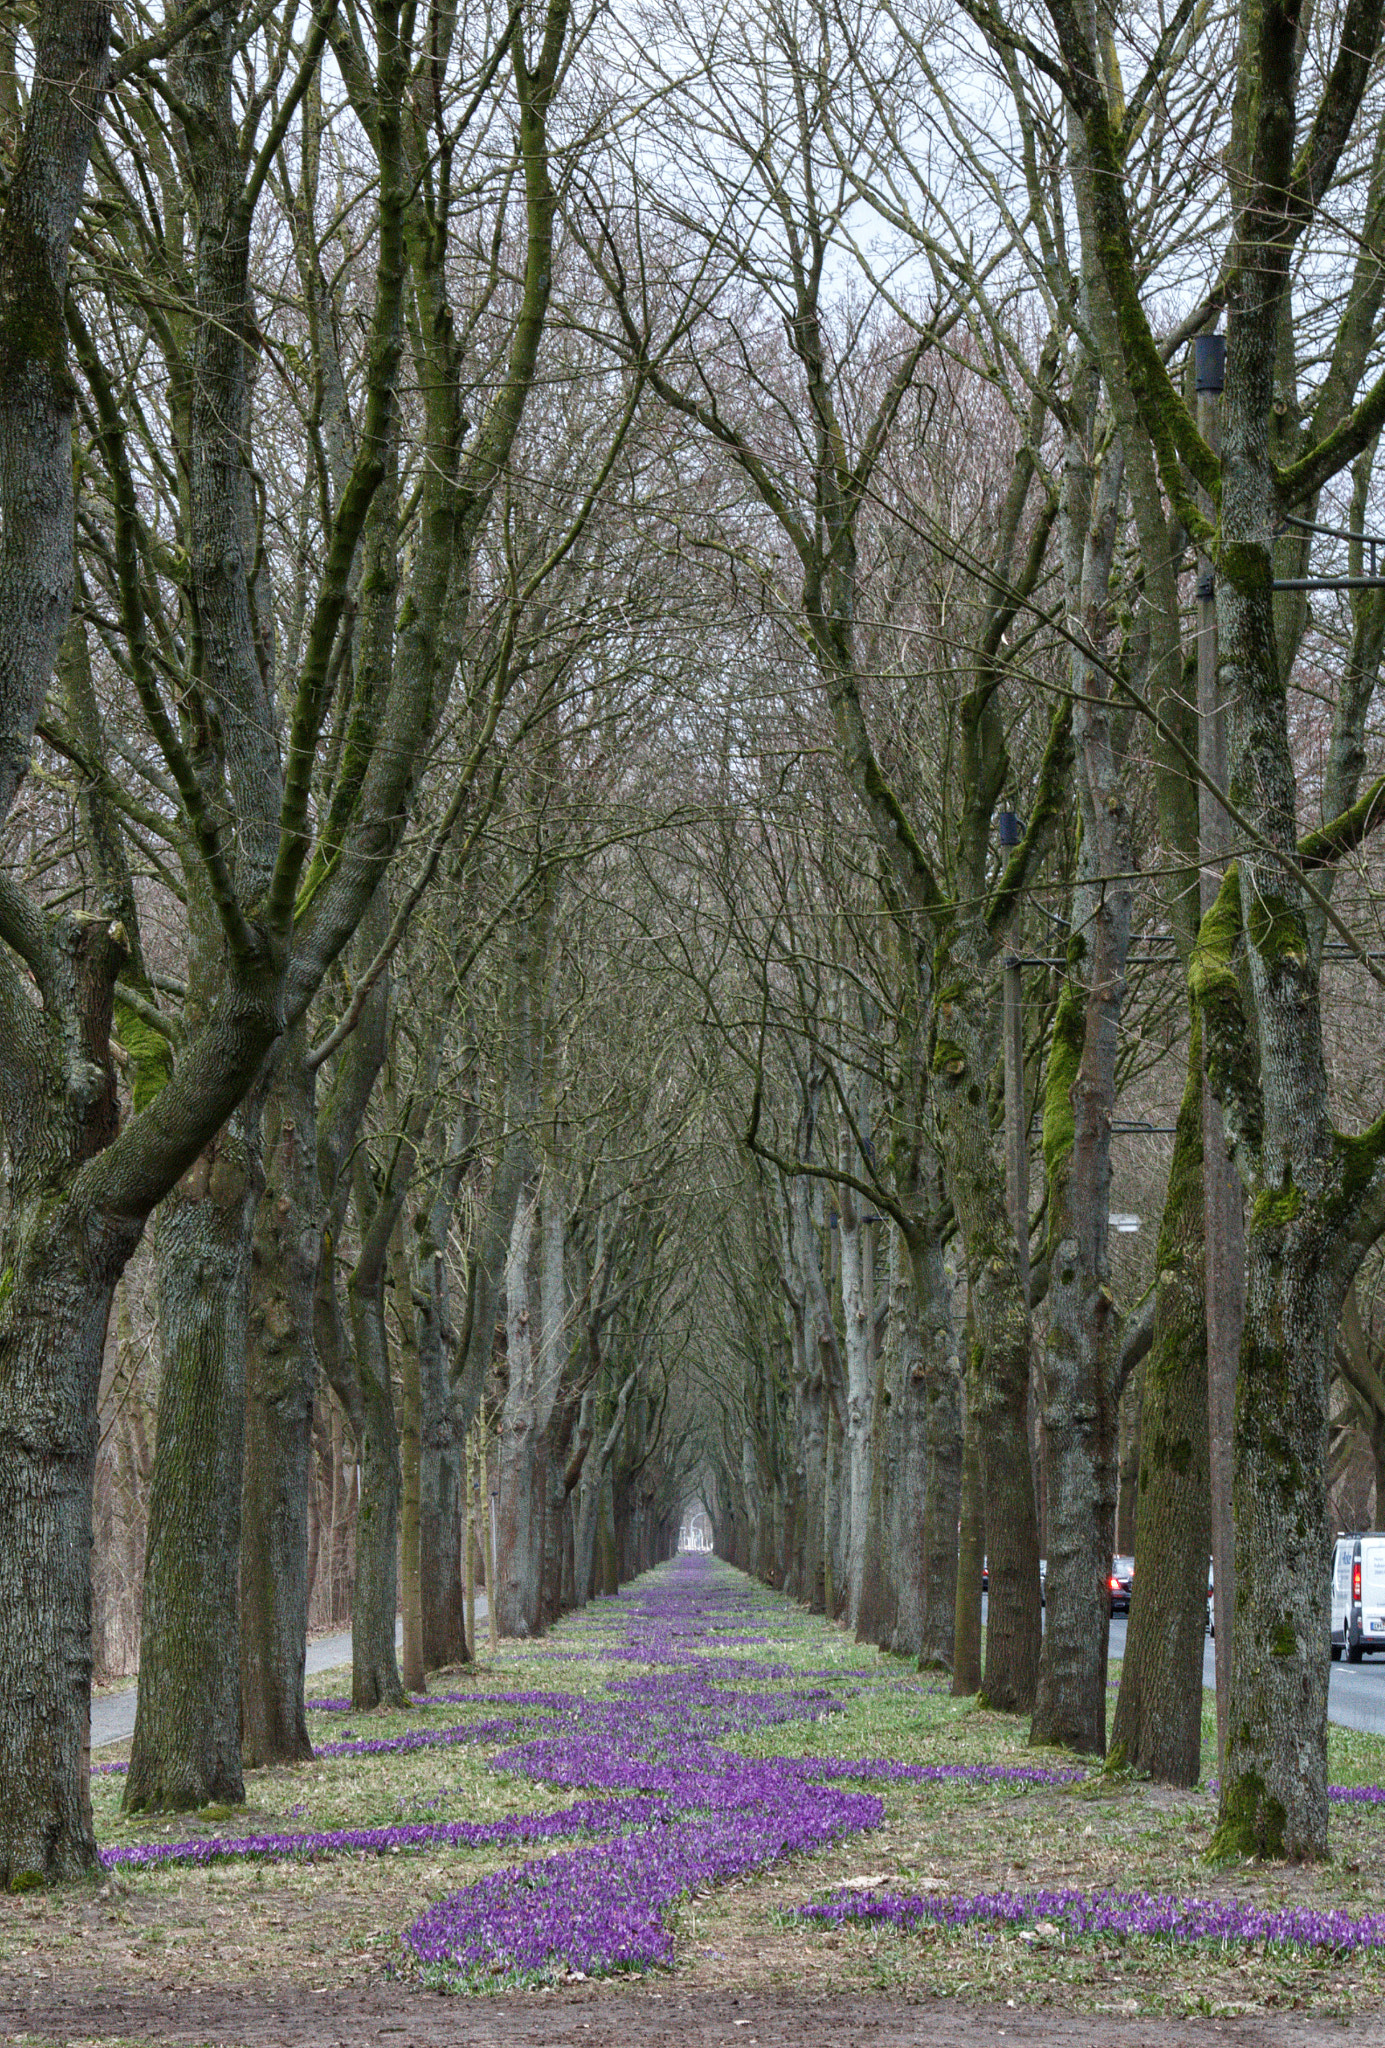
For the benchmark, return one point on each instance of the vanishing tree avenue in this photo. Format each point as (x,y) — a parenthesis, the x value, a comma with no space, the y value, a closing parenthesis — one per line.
(691,759)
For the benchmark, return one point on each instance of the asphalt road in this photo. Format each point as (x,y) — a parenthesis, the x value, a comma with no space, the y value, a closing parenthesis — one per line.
(113,1714)
(1355,1692)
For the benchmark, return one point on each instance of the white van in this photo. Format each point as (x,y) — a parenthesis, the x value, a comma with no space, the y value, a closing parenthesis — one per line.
(1358,1595)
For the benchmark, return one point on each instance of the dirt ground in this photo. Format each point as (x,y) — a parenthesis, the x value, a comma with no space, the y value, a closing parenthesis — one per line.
(287,2015)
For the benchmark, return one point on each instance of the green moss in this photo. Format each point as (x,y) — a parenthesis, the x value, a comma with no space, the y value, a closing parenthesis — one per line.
(1217,937)
(6,1284)
(1275,929)
(33,330)
(151,1055)
(1050,794)
(1252,1823)
(1358,1163)
(1215,990)
(1275,1208)
(949,1058)
(1283,1643)
(1182,1215)
(27,1881)
(1064,1058)
(1247,565)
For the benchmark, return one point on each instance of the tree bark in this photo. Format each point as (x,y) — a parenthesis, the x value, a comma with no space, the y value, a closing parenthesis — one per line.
(37,395)
(906,1532)
(410,1463)
(375,1678)
(1158,1723)
(942,1423)
(60,1266)
(276,1570)
(998,1385)
(1081,1355)
(448,1636)
(971,1552)
(857,1319)
(186,1748)
(1128,1463)
(516,1590)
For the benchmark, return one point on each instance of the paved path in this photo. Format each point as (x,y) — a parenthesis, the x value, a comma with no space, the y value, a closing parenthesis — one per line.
(1355,1692)
(113,1714)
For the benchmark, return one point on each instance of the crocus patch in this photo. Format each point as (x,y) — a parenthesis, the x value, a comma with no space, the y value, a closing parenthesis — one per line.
(1150,1915)
(669,1809)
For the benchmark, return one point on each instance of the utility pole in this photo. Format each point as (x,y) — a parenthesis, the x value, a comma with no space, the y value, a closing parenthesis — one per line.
(1225,1224)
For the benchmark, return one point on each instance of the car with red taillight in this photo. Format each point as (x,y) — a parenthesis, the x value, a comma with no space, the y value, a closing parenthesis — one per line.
(1358,1595)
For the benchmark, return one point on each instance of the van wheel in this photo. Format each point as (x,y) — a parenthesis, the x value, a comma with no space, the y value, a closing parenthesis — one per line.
(1355,1653)
(1336,1653)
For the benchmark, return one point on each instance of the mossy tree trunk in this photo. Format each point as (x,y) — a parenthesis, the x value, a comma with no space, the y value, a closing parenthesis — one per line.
(998,1386)
(971,1550)
(516,1591)
(186,1748)
(859,1350)
(1316,1198)
(411,1566)
(59,1263)
(942,1422)
(591,1492)
(1128,1463)
(906,1411)
(1081,1354)
(281,1377)
(47,170)
(1158,1722)
(879,1612)
(375,1674)
(442,1468)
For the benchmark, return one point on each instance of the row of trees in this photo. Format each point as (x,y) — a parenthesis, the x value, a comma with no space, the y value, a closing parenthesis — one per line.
(567,601)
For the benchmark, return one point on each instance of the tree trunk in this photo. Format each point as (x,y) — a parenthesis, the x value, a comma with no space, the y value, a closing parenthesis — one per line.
(998,1385)
(555,1499)
(469,1554)
(811,1424)
(410,1460)
(550,1414)
(609,1576)
(832,1514)
(857,1318)
(1081,1355)
(516,1591)
(879,1609)
(186,1749)
(1158,1724)
(53,1320)
(375,1679)
(1128,1474)
(906,1529)
(942,1421)
(442,1472)
(971,1553)
(276,1569)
